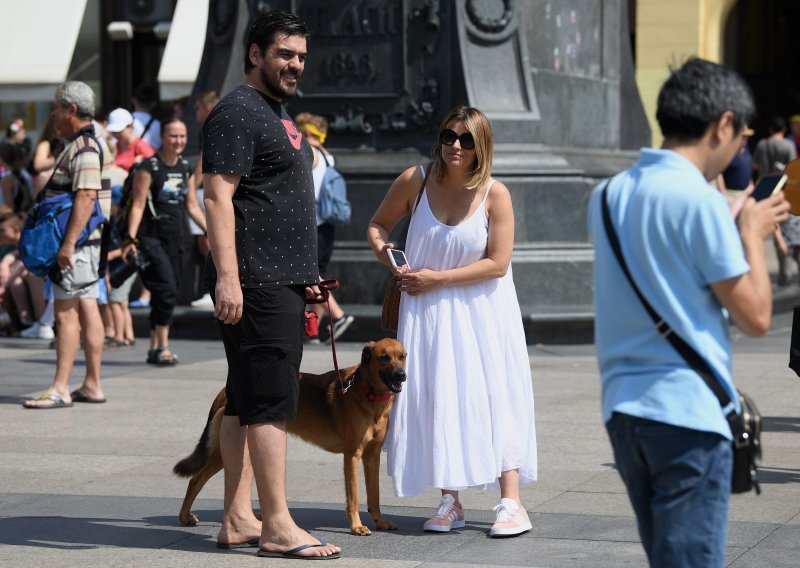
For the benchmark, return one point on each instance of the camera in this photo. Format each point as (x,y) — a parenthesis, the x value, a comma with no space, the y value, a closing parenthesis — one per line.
(124,269)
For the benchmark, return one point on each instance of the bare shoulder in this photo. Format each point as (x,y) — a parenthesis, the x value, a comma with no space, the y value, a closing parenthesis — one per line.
(410,175)
(408,182)
(499,196)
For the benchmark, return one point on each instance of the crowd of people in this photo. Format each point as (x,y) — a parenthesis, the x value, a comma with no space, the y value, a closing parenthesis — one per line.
(156,193)
(466,416)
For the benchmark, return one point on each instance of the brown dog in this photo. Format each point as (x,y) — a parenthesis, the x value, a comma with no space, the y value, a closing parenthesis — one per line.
(353,424)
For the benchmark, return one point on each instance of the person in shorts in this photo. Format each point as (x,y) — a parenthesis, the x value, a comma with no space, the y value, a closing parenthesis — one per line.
(259,198)
(81,168)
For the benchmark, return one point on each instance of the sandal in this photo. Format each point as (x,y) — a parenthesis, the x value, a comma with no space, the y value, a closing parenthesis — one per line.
(113,343)
(57,401)
(162,356)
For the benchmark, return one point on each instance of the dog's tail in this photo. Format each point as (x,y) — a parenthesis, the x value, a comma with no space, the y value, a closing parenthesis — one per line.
(193,463)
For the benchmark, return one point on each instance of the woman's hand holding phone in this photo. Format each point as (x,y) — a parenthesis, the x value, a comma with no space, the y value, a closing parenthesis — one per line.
(398,261)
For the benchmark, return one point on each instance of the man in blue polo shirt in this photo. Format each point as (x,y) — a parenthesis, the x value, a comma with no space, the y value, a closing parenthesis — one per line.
(670,438)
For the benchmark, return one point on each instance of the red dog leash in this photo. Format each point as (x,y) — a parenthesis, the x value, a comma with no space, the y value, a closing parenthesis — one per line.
(326,287)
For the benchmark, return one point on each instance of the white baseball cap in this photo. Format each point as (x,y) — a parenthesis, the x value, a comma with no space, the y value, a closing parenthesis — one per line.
(118,120)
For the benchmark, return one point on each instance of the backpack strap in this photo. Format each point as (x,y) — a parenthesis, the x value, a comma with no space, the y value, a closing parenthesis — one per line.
(155,165)
(324,157)
(87,131)
(147,126)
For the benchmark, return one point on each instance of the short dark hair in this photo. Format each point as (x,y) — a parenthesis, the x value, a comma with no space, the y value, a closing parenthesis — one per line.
(270,25)
(776,124)
(697,94)
(147,95)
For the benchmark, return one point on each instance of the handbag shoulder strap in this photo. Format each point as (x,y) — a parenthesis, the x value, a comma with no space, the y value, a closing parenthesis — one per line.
(685,350)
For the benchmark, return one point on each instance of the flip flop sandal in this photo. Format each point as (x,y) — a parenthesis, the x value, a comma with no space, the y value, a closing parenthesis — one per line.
(159,357)
(293,553)
(58,402)
(79,396)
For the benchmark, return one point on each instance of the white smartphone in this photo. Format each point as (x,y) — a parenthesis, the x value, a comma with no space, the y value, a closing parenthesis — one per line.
(397,258)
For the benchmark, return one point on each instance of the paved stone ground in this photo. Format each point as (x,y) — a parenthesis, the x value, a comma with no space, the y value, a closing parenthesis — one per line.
(91,485)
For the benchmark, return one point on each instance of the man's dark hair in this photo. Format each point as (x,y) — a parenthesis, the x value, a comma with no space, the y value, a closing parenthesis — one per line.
(776,124)
(270,25)
(697,94)
(146,95)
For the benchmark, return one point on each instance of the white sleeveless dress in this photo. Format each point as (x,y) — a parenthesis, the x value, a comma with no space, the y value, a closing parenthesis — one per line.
(466,412)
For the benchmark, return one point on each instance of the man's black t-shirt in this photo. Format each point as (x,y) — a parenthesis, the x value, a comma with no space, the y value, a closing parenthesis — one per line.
(168,188)
(250,135)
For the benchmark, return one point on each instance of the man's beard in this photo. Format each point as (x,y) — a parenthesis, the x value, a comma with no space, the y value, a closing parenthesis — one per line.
(276,88)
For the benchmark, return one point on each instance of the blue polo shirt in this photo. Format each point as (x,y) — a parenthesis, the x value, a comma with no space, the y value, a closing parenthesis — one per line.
(677,236)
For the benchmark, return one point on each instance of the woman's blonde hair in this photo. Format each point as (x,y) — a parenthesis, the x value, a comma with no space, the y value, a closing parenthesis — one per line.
(479,126)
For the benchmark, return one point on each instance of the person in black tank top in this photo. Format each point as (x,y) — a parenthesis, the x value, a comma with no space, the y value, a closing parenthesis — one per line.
(163,192)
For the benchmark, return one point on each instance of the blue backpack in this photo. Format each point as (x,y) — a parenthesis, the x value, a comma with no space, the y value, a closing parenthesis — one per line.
(332,205)
(45,228)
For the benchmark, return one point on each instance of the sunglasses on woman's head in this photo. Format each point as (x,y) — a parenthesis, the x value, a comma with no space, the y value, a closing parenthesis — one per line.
(448,137)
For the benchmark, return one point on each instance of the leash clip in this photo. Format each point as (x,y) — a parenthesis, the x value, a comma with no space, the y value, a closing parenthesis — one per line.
(345,386)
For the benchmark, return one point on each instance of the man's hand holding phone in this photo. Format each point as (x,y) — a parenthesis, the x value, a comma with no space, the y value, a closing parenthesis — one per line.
(759,218)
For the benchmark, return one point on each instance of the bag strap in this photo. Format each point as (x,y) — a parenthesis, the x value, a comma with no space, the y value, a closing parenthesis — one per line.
(324,157)
(85,131)
(694,359)
(147,126)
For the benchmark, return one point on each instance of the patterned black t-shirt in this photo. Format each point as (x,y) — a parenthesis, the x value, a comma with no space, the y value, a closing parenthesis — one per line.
(168,188)
(251,135)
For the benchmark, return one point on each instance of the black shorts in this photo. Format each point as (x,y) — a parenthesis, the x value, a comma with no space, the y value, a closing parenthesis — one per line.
(325,235)
(264,351)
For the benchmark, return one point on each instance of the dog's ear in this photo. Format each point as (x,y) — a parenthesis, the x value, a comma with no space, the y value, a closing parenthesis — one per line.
(366,353)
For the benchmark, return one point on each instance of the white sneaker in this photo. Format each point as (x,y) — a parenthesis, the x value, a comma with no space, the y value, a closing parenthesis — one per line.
(447,516)
(38,331)
(204,302)
(511,520)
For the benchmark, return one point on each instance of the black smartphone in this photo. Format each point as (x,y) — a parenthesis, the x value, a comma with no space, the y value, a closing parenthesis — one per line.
(767,185)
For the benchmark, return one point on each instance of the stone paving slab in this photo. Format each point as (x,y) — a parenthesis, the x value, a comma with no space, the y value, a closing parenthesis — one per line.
(92,485)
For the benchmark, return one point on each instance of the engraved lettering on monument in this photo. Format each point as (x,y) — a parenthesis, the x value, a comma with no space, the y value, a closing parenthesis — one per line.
(369,63)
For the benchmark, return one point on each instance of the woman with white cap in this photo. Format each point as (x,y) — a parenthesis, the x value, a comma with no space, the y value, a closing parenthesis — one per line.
(130,148)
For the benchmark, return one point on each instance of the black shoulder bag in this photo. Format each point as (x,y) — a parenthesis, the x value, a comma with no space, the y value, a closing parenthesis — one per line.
(745,427)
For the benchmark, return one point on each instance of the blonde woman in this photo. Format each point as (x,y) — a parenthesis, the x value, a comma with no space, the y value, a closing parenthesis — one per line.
(465,419)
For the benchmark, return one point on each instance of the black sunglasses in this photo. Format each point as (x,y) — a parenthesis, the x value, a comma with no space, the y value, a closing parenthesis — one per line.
(448,137)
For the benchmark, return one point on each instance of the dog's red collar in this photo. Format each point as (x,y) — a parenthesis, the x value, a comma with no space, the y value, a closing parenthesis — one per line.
(371,396)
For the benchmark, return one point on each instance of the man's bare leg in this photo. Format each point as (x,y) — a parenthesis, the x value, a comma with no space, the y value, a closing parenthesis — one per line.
(279,533)
(93,338)
(67,341)
(238,522)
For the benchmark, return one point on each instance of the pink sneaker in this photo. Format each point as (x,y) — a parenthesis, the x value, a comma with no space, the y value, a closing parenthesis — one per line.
(511,520)
(447,516)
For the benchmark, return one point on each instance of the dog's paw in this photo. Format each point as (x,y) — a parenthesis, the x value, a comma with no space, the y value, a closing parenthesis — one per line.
(385,525)
(360,530)
(189,520)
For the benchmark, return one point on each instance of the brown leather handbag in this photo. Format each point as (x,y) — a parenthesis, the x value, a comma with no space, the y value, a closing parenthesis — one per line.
(391,298)
(391,305)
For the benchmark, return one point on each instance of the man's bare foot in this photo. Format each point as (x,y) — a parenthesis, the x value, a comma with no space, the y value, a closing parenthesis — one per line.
(299,542)
(239,532)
